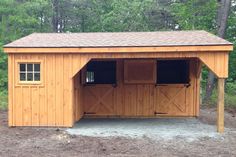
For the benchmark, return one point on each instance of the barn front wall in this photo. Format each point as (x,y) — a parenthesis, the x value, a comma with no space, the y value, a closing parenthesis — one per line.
(141,99)
(60,99)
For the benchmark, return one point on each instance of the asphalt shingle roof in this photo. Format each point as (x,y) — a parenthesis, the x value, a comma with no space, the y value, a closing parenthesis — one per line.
(121,39)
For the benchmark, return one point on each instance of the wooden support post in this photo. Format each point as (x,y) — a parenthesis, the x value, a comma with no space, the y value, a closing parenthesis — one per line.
(220,105)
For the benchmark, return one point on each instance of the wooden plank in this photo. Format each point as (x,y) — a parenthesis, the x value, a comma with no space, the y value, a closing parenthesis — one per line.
(43,96)
(35,105)
(51,89)
(119,89)
(78,112)
(27,108)
(59,89)
(220,105)
(140,100)
(43,111)
(18,106)
(10,89)
(191,92)
(66,90)
(70,115)
(147,108)
(130,100)
(121,49)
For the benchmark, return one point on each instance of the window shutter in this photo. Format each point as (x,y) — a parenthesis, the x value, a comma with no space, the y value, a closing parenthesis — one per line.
(140,71)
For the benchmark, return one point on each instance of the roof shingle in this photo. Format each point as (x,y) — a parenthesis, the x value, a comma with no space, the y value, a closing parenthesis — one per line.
(121,39)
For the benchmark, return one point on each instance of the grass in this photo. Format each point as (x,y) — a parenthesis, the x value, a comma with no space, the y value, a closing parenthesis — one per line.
(230,97)
(3,100)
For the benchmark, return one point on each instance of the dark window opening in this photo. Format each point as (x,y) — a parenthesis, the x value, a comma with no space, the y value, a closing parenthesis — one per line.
(101,72)
(172,72)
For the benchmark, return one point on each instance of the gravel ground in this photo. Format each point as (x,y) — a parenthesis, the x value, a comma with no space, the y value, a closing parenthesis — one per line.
(122,137)
(189,129)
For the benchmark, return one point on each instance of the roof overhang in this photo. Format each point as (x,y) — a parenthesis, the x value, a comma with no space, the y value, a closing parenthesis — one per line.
(198,48)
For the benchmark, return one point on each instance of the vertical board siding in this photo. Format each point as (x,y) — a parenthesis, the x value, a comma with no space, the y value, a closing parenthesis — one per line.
(133,100)
(217,62)
(35,105)
(59,90)
(49,103)
(10,89)
(56,103)
(144,100)
(50,74)
(67,90)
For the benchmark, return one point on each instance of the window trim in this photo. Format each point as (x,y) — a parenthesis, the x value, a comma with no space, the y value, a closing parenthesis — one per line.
(29,83)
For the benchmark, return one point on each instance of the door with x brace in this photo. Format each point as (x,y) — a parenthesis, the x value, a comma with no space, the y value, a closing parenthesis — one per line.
(98,100)
(171,100)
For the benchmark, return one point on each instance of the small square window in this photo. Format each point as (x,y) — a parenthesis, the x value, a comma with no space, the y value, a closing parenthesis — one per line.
(29,72)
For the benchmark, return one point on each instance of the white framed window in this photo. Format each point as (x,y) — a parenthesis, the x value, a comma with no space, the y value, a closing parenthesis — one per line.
(29,72)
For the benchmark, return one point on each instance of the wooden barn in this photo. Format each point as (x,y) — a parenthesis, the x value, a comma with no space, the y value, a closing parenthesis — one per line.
(55,79)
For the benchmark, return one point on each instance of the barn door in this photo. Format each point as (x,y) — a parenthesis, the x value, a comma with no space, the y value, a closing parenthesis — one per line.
(98,100)
(171,100)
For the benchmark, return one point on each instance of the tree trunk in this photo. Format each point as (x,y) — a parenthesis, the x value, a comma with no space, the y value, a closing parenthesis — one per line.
(222,16)
(55,17)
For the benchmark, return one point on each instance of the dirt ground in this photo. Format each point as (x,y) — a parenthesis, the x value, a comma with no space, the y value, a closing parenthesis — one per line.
(33,141)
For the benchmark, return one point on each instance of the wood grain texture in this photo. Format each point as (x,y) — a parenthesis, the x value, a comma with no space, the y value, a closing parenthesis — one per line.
(121,49)
(59,101)
(141,100)
(220,106)
(50,103)
(140,71)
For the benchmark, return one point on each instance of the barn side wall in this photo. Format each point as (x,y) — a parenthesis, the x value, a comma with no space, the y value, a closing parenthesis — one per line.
(50,103)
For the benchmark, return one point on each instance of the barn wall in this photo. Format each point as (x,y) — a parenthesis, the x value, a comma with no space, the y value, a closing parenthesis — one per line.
(131,100)
(53,103)
(50,103)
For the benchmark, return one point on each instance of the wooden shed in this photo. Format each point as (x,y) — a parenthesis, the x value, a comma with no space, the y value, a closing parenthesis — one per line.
(55,79)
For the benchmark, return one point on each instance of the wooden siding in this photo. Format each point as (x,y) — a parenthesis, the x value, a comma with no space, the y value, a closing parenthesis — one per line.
(146,100)
(50,103)
(78,107)
(55,102)
(217,61)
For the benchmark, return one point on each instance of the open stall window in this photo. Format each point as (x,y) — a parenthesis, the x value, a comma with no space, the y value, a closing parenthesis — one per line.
(101,72)
(172,72)
(29,72)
